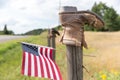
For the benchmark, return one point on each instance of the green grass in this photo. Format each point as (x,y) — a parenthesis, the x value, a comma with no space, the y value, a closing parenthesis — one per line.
(11,56)
(107,75)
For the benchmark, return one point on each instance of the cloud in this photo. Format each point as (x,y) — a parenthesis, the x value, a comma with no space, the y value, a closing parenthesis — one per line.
(24,15)
(3,3)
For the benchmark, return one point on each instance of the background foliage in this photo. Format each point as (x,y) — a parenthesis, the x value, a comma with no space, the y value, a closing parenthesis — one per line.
(109,15)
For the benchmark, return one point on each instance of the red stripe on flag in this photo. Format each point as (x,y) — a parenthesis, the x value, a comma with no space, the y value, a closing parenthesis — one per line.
(36,67)
(52,67)
(51,54)
(53,71)
(48,71)
(58,71)
(41,58)
(41,50)
(41,67)
(45,65)
(29,64)
(45,62)
(23,63)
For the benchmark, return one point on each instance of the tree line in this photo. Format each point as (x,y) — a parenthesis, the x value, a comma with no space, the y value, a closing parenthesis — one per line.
(109,16)
(6,31)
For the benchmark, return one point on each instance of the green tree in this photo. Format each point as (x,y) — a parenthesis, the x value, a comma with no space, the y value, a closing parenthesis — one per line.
(109,15)
(59,27)
(11,32)
(5,30)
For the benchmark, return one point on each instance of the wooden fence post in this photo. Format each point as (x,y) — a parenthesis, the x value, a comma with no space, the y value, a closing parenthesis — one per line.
(73,22)
(51,39)
(72,38)
(74,62)
(53,44)
(48,38)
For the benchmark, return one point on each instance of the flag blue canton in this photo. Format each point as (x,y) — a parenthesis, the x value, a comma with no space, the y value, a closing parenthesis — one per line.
(30,49)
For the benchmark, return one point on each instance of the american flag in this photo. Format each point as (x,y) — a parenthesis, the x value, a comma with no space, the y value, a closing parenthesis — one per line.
(37,62)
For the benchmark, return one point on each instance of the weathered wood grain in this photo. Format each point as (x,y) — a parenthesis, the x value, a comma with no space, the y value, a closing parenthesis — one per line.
(74,62)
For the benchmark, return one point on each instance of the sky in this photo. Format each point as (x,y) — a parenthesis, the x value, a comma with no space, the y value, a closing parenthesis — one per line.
(25,15)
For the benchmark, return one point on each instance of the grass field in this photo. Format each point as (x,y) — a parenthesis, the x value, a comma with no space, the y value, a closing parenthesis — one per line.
(104,46)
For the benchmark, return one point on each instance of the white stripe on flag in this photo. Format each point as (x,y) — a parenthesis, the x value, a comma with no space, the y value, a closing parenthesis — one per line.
(26,64)
(44,65)
(57,76)
(49,66)
(38,64)
(32,65)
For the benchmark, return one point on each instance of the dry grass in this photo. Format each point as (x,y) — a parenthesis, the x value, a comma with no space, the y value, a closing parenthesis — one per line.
(106,47)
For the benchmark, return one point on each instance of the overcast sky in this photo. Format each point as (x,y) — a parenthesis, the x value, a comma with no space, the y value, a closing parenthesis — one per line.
(24,15)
